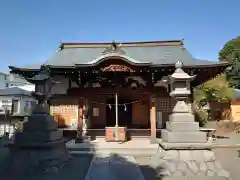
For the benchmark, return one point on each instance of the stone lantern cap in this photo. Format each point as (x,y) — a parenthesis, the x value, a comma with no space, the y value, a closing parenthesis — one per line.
(40,78)
(179,74)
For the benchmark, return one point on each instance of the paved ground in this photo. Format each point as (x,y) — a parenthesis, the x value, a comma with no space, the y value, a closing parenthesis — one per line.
(230,160)
(76,169)
(125,167)
(147,168)
(228,140)
(114,167)
(225,136)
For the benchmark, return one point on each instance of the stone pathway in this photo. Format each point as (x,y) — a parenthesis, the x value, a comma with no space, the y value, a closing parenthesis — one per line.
(114,168)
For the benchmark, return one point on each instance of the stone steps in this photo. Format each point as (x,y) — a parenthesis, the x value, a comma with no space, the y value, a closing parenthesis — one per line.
(132,137)
(142,147)
(119,151)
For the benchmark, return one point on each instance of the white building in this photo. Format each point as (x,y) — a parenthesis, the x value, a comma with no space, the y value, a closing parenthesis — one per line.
(14,88)
(15,95)
(3,80)
(17,100)
(14,80)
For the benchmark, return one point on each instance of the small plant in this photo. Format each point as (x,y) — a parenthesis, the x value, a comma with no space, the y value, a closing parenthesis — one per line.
(201,116)
(19,126)
(238,128)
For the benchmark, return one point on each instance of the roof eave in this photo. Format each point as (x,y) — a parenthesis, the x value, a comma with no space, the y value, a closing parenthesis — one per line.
(17,69)
(13,68)
(195,65)
(16,95)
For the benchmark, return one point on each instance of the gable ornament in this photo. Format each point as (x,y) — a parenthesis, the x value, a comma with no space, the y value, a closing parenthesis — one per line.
(114,48)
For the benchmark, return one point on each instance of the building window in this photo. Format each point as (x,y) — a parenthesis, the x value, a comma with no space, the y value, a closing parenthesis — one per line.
(29,105)
(6,104)
(2,110)
(16,107)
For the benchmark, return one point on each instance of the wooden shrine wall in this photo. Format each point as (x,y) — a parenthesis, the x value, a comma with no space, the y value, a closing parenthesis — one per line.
(65,111)
(140,113)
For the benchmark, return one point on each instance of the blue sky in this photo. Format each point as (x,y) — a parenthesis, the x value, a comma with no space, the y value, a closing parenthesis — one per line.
(31,31)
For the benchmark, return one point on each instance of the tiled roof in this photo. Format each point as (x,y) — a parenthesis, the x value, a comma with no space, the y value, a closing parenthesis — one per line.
(155,54)
(14,91)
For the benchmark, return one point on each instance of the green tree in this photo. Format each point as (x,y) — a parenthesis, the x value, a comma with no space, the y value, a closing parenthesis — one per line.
(231,53)
(220,88)
(230,50)
(216,89)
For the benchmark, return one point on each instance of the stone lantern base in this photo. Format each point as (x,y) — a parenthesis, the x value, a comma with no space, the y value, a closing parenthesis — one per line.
(36,158)
(182,129)
(189,164)
(40,147)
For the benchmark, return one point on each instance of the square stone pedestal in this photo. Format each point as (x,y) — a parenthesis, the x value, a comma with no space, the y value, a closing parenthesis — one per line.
(184,135)
(182,132)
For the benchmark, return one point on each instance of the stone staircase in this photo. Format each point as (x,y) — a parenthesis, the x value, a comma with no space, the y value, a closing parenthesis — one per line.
(138,146)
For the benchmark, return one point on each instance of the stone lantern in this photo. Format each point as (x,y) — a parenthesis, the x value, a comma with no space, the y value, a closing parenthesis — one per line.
(40,146)
(180,89)
(185,152)
(181,127)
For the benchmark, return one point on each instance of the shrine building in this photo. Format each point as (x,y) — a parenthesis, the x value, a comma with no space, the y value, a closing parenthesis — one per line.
(120,84)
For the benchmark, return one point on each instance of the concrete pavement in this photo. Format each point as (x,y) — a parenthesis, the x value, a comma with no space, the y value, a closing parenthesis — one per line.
(114,167)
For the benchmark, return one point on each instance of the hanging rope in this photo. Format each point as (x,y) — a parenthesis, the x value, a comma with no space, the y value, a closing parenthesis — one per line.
(124,104)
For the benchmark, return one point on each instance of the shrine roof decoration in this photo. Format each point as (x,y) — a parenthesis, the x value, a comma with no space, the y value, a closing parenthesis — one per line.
(150,53)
